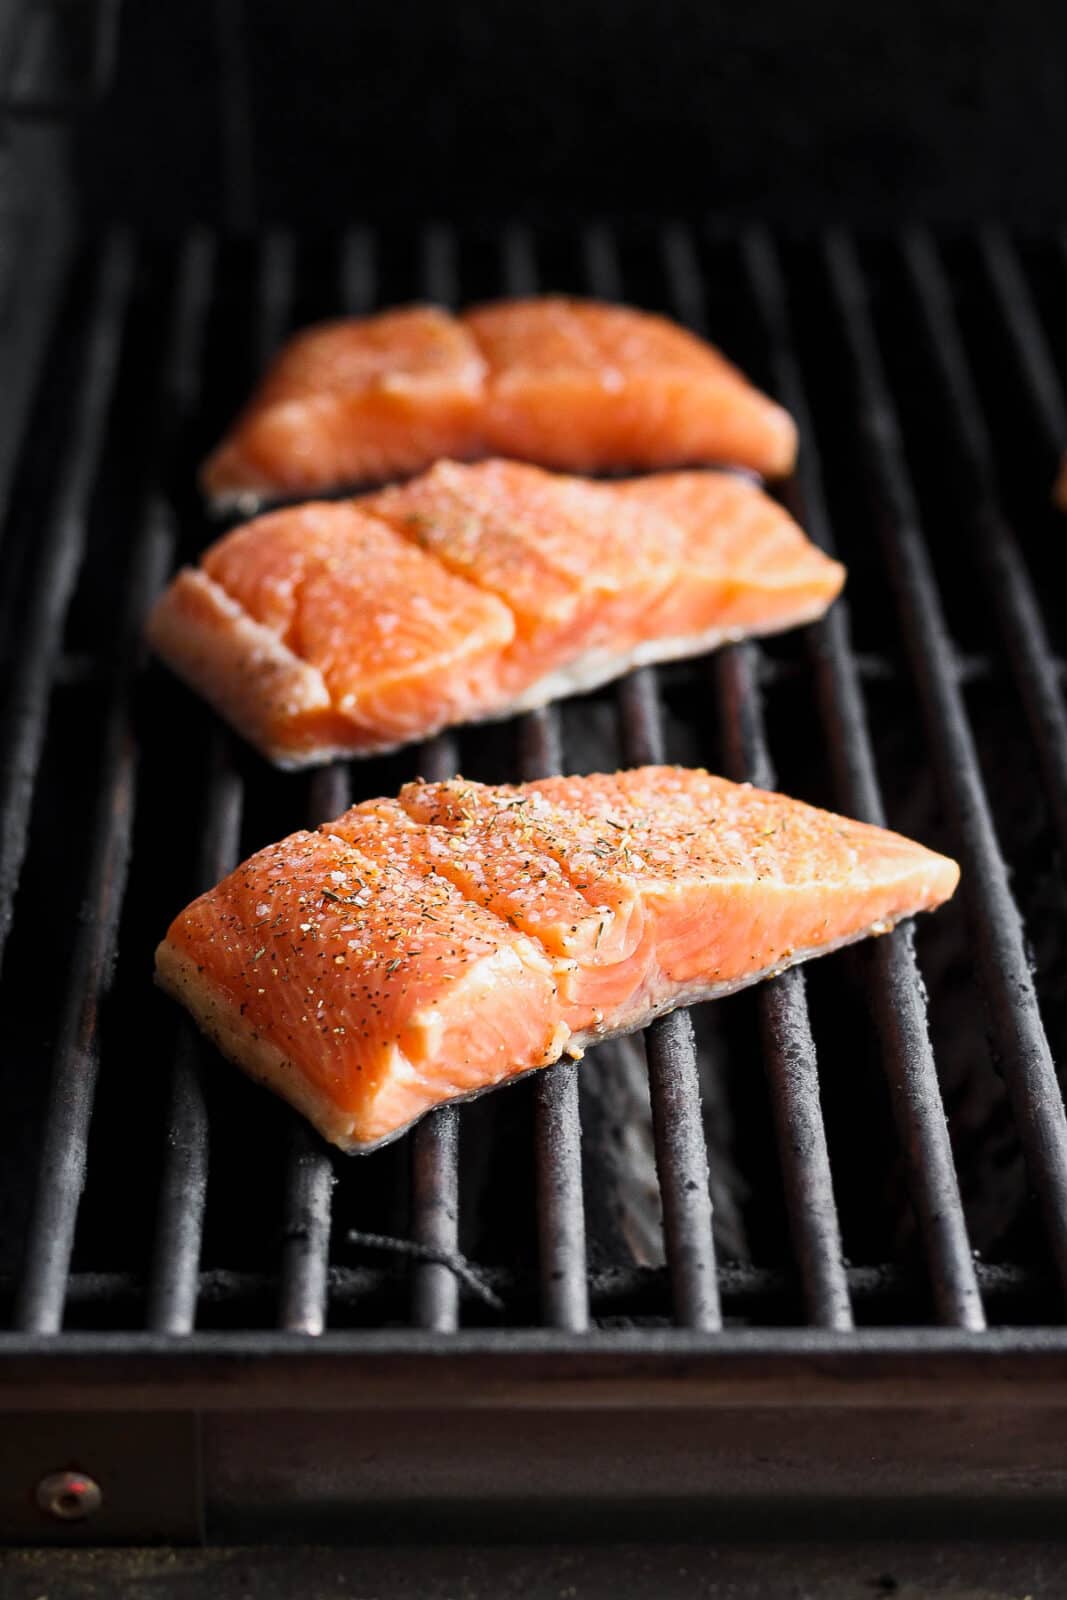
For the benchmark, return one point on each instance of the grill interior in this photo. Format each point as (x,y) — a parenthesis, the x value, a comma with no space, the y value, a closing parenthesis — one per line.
(782,1158)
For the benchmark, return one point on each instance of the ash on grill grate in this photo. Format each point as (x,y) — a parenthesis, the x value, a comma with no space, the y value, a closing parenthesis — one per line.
(784,1162)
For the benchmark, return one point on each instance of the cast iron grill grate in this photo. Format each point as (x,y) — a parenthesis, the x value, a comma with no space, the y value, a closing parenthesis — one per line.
(795,1143)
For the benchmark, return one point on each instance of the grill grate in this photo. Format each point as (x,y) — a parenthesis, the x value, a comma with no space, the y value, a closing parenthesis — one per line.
(148,1188)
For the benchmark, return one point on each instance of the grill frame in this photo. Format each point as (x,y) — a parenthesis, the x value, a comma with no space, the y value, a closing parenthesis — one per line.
(832,1370)
(687,1434)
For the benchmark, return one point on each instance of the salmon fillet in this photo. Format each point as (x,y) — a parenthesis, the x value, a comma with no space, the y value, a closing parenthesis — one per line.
(426,948)
(349,628)
(571,384)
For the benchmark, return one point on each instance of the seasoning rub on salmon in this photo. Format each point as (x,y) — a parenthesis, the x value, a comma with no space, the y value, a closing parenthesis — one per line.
(572,384)
(424,949)
(349,628)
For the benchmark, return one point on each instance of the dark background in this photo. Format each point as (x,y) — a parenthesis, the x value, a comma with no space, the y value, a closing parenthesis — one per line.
(313,111)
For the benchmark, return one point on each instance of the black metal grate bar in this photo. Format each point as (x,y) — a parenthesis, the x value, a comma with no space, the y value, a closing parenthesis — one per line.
(999,946)
(435,1153)
(897,994)
(310,1175)
(557,1126)
(674,1083)
(61,1170)
(435,1204)
(175,1265)
(560,1209)
(306,1252)
(308,1180)
(557,1122)
(440,265)
(175,1260)
(1015,604)
(359,271)
(520,272)
(789,1049)
(63,546)
(1015,305)
(670,1046)
(435,1143)
(274,296)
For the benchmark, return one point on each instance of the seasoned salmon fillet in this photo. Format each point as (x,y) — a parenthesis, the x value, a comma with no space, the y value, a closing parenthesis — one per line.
(349,628)
(572,384)
(426,948)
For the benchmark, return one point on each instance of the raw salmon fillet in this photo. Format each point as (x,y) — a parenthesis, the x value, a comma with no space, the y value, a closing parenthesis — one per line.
(424,949)
(571,384)
(349,628)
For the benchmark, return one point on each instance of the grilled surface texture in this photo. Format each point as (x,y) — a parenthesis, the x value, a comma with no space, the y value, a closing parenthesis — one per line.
(424,949)
(471,592)
(571,384)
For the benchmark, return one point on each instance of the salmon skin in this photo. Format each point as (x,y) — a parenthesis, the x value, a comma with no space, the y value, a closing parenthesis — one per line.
(427,948)
(571,384)
(349,628)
